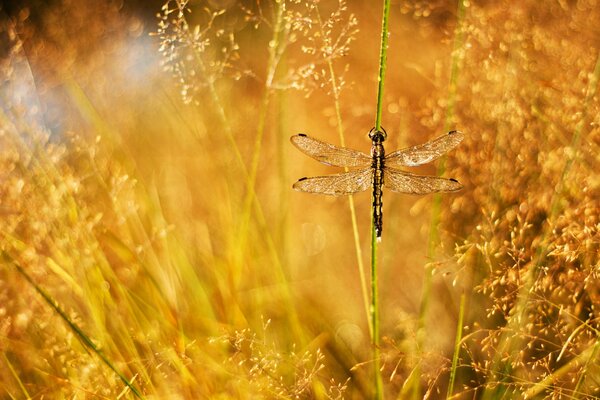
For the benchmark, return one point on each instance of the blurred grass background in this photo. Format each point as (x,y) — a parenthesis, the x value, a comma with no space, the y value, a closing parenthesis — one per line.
(126,194)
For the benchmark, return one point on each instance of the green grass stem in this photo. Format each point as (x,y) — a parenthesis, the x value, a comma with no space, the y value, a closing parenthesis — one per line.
(436,208)
(250,197)
(457,343)
(382,61)
(340,128)
(585,357)
(217,103)
(374,284)
(275,53)
(375,314)
(15,375)
(85,339)
(250,200)
(274,49)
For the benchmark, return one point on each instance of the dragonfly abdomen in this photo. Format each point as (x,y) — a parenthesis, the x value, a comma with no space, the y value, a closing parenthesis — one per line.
(378,164)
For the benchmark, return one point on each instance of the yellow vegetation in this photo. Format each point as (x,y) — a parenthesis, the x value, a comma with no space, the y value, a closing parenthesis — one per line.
(151,241)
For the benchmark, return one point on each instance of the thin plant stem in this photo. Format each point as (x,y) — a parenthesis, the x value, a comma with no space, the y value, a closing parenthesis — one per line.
(584,370)
(74,327)
(434,239)
(274,57)
(382,62)
(457,343)
(356,234)
(251,200)
(375,314)
(275,54)
(251,174)
(262,117)
(374,240)
(242,235)
(216,100)
(15,375)
(586,357)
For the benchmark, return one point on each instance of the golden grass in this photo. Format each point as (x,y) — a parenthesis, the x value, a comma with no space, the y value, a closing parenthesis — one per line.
(146,190)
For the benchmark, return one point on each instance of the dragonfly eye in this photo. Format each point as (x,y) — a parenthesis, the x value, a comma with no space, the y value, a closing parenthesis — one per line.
(376,135)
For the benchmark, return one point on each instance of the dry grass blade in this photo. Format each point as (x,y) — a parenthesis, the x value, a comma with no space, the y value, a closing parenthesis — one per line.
(85,339)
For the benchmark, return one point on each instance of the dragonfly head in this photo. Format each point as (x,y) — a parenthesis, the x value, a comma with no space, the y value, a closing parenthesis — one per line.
(377,136)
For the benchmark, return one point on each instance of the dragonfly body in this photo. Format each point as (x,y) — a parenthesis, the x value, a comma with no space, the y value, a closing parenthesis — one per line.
(378,154)
(377,170)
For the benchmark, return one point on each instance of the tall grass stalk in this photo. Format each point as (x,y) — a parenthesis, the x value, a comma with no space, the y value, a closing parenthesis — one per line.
(374,284)
(251,201)
(457,342)
(436,210)
(250,174)
(274,48)
(275,53)
(509,341)
(340,128)
(585,357)
(214,96)
(225,126)
(250,196)
(74,327)
(588,357)
(86,107)
(15,375)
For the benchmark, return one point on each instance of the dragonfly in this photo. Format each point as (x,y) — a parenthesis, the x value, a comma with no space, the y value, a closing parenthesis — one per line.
(377,170)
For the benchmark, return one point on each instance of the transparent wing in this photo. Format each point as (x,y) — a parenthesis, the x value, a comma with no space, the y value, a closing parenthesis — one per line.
(405,182)
(338,184)
(426,152)
(330,154)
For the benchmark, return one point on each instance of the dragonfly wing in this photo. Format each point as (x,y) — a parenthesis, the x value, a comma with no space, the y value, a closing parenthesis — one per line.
(330,154)
(338,184)
(405,182)
(426,152)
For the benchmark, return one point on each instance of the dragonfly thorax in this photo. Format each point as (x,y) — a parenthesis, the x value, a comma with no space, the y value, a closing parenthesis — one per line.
(378,153)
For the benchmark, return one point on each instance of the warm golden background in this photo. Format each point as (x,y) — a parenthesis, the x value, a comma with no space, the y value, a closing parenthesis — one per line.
(145,190)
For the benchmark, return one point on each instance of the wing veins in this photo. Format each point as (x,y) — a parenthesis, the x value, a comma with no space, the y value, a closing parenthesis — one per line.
(337,184)
(329,154)
(405,182)
(426,152)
